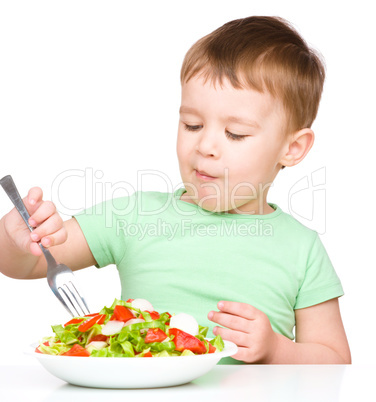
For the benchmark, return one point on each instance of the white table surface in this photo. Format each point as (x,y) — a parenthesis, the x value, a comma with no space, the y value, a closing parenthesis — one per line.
(320,383)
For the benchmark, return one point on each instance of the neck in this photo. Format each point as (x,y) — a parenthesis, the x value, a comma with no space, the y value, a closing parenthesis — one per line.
(251,208)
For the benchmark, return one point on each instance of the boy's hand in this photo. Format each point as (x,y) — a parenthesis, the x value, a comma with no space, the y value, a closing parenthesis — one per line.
(43,215)
(249,328)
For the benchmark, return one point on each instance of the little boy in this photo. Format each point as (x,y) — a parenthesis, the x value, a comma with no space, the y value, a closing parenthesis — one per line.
(250,92)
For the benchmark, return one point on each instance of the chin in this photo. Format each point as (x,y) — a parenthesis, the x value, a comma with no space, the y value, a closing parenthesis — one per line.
(212,204)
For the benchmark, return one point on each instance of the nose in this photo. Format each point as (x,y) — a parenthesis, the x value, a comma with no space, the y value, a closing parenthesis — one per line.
(208,145)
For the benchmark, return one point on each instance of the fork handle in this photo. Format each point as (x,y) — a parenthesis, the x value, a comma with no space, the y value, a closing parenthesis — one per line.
(10,188)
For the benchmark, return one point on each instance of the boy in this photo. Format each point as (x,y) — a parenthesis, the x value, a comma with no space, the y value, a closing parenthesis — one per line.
(250,92)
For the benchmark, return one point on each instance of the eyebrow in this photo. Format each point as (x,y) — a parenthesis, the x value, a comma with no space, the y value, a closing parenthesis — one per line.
(186,109)
(233,119)
(239,120)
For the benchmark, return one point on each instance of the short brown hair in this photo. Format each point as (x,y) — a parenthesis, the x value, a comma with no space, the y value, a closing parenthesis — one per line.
(262,53)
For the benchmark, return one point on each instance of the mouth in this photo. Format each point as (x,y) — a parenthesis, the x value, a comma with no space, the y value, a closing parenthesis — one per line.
(201,174)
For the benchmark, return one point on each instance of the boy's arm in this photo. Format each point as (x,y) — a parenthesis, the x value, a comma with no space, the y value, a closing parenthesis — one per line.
(320,336)
(21,258)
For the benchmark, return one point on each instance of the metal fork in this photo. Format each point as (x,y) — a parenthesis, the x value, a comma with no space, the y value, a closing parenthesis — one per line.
(59,277)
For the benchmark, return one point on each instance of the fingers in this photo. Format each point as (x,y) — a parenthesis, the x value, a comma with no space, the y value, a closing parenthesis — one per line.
(247,327)
(230,321)
(53,239)
(49,228)
(33,199)
(237,318)
(35,249)
(238,337)
(45,210)
(242,354)
(240,309)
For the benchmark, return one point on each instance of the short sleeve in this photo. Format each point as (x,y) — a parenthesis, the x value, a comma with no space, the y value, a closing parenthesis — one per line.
(320,282)
(102,227)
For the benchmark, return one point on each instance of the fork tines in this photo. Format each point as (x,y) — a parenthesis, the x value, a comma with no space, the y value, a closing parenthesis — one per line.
(72,301)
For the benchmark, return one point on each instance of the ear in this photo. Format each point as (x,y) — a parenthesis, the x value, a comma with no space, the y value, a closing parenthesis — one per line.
(298,147)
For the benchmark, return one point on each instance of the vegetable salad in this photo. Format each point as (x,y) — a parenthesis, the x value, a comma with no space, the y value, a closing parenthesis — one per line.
(130,329)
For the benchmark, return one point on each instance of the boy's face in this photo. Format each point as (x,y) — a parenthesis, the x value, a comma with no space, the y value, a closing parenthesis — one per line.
(230,144)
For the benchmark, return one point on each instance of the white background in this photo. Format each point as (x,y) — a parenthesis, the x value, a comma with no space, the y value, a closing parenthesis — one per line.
(89,92)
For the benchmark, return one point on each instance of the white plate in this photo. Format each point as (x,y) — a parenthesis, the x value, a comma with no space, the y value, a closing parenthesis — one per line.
(123,372)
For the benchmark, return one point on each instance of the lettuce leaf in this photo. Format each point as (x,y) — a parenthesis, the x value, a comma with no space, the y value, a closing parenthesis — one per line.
(203,330)
(218,343)
(106,352)
(160,346)
(187,352)
(64,335)
(123,348)
(54,349)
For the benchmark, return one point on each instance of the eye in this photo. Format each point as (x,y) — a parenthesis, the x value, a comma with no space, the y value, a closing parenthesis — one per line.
(192,128)
(235,137)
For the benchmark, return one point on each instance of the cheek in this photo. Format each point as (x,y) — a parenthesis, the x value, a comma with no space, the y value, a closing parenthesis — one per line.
(254,163)
(241,166)
(183,154)
(246,172)
(180,147)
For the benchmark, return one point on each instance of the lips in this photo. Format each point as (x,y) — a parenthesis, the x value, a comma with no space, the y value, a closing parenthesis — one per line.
(204,175)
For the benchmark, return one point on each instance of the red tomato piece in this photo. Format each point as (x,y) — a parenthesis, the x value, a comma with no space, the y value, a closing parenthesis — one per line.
(76,350)
(99,338)
(148,354)
(74,321)
(184,340)
(121,313)
(155,335)
(212,348)
(129,301)
(154,315)
(86,325)
(91,315)
(101,319)
(168,322)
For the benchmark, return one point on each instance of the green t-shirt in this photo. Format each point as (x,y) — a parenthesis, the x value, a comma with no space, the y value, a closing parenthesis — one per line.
(185,259)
